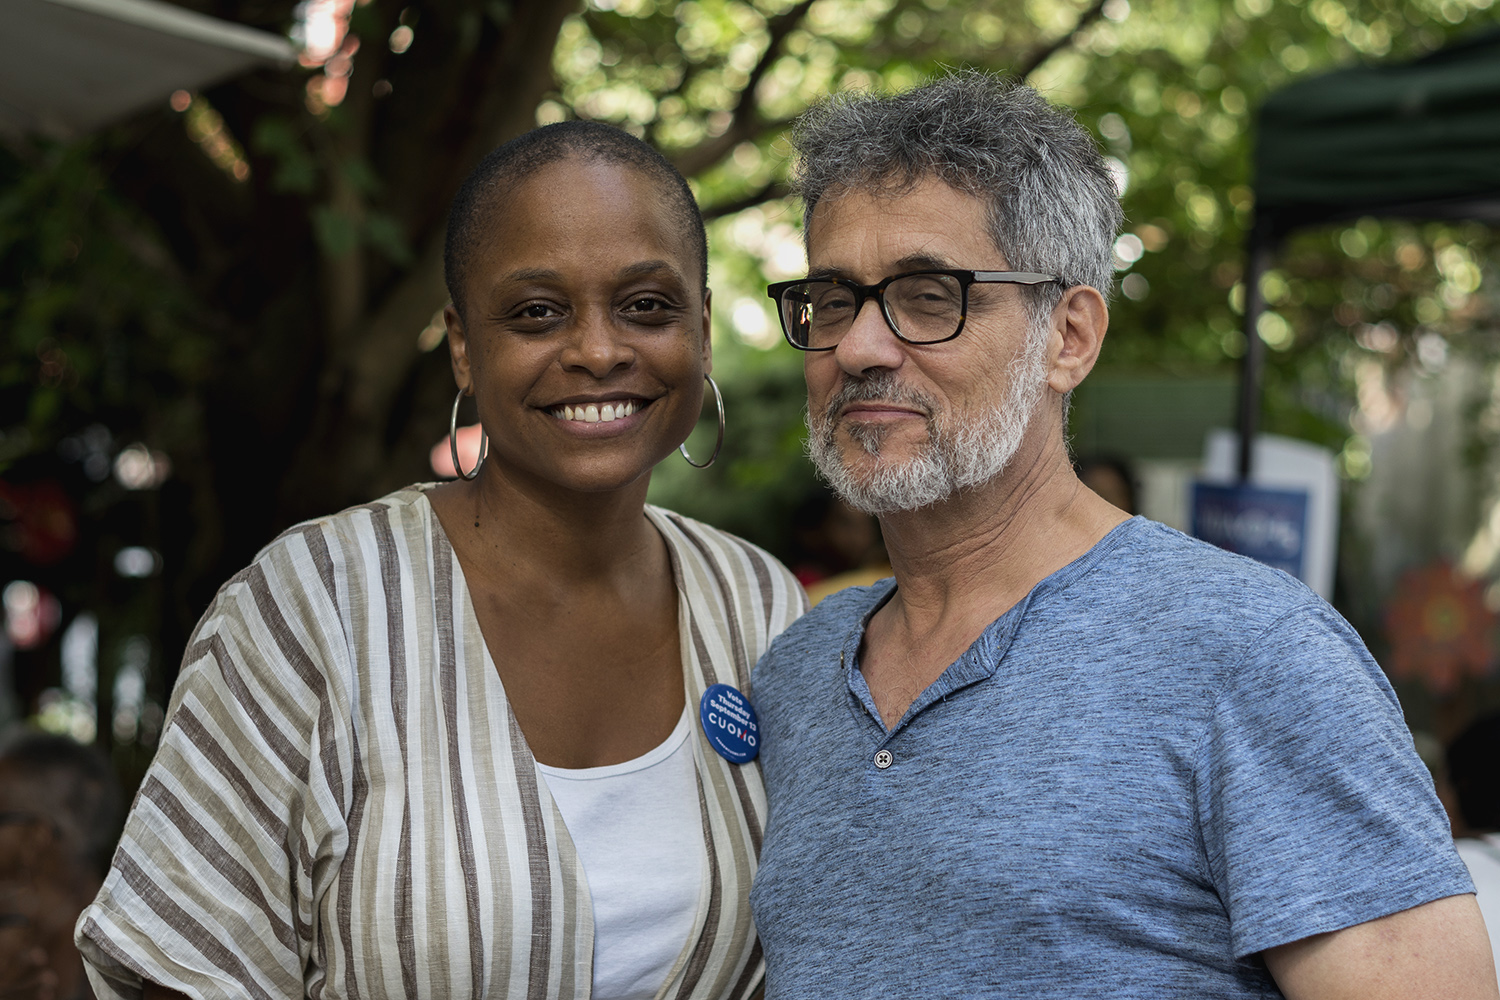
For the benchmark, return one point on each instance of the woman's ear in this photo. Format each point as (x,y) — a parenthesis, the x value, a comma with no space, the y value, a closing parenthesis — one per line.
(458,347)
(1079,323)
(708,325)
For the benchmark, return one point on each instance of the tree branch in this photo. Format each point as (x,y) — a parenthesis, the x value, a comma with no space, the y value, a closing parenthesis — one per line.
(778,28)
(368,375)
(690,71)
(1034,62)
(388,340)
(346,274)
(745,122)
(768,192)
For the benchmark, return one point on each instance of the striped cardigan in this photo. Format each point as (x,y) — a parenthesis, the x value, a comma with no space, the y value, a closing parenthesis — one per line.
(343,806)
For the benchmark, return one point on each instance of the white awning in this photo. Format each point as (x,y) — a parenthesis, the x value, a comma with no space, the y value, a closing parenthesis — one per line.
(68,67)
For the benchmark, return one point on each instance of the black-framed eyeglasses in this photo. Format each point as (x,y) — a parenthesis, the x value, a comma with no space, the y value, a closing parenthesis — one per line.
(920,307)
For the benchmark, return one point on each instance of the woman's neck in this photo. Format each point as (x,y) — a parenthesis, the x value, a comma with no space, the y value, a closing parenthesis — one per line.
(497,525)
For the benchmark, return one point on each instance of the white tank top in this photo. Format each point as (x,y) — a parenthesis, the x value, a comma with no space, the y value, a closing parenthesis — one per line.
(639,836)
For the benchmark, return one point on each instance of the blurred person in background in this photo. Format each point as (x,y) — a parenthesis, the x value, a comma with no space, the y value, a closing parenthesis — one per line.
(1473,787)
(840,546)
(1111,478)
(60,808)
(447,744)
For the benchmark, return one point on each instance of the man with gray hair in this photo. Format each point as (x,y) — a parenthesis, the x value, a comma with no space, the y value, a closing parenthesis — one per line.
(1065,752)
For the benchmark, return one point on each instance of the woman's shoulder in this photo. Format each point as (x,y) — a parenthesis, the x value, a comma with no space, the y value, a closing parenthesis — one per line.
(707,541)
(304,570)
(328,541)
(408,505)
(751,572)
(279,647)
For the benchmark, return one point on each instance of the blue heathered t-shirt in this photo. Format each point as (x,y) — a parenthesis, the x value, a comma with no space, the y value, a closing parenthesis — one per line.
(1162,761)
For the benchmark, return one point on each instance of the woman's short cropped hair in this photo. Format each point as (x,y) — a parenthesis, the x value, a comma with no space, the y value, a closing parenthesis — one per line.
(1053,203)
(500,172)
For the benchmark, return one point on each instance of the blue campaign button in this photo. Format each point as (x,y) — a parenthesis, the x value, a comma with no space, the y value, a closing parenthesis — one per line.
(730,724)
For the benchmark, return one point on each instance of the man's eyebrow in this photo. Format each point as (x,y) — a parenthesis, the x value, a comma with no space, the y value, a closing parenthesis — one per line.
(911,262)
(818,274)
(922,262)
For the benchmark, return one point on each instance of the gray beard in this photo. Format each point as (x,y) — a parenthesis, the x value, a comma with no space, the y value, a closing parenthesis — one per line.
(961,452)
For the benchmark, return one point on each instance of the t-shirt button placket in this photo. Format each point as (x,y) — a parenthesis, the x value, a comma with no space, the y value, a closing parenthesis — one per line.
(884,759)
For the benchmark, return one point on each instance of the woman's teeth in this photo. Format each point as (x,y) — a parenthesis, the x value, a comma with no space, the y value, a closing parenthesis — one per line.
(596,413)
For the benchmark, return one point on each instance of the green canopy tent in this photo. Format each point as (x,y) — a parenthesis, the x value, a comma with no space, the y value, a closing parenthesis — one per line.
(1418,140)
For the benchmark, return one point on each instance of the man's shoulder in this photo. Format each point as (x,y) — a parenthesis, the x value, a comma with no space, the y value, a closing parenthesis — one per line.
(1206,617)
(1158,568)
(824,630)
(844,610)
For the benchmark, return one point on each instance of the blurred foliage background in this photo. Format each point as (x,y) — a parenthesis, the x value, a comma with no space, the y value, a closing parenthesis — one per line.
(220,317)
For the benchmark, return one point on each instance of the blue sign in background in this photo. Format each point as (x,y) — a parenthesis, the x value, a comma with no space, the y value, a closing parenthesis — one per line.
(1267,525)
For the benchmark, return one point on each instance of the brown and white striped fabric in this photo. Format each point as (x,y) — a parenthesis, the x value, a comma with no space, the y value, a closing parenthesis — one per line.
(342,805)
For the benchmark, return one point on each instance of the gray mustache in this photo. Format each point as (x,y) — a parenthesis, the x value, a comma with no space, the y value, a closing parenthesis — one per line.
(881,387)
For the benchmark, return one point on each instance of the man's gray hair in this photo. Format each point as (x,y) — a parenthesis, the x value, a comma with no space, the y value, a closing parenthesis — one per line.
(1053,203)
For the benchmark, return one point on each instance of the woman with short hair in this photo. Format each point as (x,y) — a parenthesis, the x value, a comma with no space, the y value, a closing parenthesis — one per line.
(449,743)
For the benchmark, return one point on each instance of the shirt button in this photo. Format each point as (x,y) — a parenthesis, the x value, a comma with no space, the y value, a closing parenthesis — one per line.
(883,759)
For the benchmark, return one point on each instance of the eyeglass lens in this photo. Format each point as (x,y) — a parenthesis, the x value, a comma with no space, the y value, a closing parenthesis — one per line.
(921,307)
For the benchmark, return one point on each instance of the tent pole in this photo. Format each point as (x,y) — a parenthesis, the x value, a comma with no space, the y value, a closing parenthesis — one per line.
(1252,365)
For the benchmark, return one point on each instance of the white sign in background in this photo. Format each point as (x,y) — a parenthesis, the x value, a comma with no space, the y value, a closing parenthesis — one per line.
(1286,463)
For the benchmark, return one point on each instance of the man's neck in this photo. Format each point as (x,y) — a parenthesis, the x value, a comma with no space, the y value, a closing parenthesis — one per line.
(962,563)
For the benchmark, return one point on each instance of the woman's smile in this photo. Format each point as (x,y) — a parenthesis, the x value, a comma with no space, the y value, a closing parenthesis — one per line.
(599,411)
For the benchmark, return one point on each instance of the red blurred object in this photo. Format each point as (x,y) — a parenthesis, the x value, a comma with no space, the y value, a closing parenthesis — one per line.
(808,574)
(1439,628)
(31,614)
(44,521)
(468,452)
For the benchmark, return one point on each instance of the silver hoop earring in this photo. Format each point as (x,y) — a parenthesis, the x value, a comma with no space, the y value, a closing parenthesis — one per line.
(484,441)
(719,403)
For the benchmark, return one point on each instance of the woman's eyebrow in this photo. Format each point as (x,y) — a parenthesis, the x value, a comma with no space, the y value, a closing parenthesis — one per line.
(533,274)
(637,270)
(649,267)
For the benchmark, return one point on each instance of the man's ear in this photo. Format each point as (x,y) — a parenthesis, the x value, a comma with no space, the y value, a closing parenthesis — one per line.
(458,347)
(708,327)
(1079,323)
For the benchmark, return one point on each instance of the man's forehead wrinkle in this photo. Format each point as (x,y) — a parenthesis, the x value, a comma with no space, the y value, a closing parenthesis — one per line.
(888,242)
(916,261)
(893,241)
(893,185)
(887,183)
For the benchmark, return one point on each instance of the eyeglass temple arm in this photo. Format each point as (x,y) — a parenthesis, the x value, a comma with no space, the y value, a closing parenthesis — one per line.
(1016,277)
